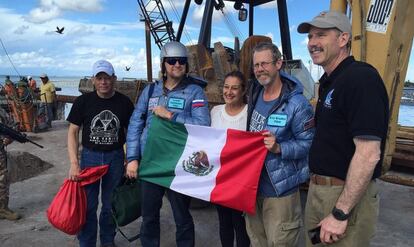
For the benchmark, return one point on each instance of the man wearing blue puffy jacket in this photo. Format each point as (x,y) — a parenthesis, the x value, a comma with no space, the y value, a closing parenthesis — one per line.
(277,106)
(175,98)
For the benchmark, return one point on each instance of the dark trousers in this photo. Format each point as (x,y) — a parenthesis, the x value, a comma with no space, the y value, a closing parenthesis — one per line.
(50,113)
(232,221)
(151,198)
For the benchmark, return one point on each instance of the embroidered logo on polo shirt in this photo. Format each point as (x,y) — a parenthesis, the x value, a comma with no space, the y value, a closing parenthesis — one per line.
(328,99)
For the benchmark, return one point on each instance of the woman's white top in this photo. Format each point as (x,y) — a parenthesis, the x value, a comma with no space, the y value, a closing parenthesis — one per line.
(221,120)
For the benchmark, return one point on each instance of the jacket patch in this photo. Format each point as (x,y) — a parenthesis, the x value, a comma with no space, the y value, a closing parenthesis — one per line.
(198,103)
(176,103)
(309,124)
(278,120)
(152,102)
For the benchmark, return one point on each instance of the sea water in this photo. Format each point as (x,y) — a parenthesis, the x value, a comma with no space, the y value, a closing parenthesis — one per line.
(69,86)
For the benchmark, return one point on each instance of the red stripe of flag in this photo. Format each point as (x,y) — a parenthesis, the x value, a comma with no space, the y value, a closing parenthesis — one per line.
(242,159)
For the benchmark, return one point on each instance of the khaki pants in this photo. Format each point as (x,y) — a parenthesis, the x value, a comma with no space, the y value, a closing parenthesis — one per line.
(361,224)
(276,223)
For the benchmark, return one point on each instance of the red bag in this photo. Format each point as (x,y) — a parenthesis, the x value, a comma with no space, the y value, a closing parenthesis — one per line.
(67,211)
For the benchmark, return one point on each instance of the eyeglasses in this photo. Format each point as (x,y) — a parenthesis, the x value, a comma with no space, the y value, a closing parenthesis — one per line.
(174,60)
(264,65)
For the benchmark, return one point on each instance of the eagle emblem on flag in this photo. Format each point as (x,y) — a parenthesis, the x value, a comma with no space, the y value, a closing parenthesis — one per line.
(198,164)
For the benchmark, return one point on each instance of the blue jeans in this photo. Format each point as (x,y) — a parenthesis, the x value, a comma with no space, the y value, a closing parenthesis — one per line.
(89,158)
(151,198)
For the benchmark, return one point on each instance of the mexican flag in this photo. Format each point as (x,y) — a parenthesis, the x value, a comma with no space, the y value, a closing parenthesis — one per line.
(216,165)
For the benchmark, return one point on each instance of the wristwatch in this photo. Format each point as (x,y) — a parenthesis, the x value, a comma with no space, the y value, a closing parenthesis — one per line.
(339,214)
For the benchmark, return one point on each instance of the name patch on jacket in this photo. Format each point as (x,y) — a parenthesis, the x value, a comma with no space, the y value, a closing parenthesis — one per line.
(278,120)
(152,102)
(176,103)
(198,103)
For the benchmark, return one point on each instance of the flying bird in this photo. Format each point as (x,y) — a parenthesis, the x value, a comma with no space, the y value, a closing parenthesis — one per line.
(60,30)
(127,68)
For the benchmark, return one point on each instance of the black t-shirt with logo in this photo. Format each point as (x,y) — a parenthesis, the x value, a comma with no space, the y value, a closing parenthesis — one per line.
(353,102)
(103,120)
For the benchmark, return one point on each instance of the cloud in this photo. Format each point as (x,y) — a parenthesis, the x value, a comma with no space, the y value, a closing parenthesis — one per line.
(43,51)
(224,40)
(198,12)
(27,60)
(270,35)
(51,9)
(74,5)
(305,41)
(43,14)
(269,5)
(21,29)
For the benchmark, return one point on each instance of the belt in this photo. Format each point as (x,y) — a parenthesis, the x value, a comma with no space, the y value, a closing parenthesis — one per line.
(324,180)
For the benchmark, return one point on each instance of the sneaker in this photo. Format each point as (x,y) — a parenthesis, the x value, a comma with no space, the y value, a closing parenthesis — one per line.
(8,214)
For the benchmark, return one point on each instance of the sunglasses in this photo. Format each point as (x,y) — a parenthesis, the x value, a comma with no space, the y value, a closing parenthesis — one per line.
(174,60)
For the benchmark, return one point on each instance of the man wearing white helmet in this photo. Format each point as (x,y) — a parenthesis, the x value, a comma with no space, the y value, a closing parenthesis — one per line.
(176,98)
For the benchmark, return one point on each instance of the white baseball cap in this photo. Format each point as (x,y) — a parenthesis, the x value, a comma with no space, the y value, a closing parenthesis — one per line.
(102,66)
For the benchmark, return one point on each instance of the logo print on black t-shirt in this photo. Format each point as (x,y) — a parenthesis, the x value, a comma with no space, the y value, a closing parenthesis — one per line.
(328,99)
(104,128)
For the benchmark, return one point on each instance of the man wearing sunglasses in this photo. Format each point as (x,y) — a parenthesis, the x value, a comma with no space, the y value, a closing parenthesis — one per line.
(175,98)
(278,109)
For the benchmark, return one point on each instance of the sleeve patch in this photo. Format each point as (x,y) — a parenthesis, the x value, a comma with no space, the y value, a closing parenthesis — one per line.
(309,124)
(198,103)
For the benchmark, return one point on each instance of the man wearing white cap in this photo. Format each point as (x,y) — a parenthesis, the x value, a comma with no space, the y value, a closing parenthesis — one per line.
(347,150)
(103,116)
(47,97)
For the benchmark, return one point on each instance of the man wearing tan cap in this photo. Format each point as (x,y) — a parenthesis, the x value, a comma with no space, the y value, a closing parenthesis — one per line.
(347,150)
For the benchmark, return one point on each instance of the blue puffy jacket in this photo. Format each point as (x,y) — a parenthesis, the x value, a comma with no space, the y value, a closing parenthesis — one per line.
(289,168)
(187,102)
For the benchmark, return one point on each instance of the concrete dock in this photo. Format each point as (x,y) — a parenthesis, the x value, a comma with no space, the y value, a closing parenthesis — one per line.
(32,196)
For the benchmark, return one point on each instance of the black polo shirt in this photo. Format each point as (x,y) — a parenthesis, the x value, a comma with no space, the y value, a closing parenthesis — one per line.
(353,102)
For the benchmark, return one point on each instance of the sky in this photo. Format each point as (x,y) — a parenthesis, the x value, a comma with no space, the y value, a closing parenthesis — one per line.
(105,29)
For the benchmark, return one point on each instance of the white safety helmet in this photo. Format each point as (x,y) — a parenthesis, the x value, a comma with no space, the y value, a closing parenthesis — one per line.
(173,49)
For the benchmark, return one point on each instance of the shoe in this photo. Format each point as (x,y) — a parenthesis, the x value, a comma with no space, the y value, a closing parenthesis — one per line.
(8,214)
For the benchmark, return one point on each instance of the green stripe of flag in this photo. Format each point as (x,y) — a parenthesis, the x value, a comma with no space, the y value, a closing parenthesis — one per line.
(159,158)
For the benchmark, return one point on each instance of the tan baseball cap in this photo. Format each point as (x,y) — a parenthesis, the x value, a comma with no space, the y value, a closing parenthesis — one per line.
(327,19)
